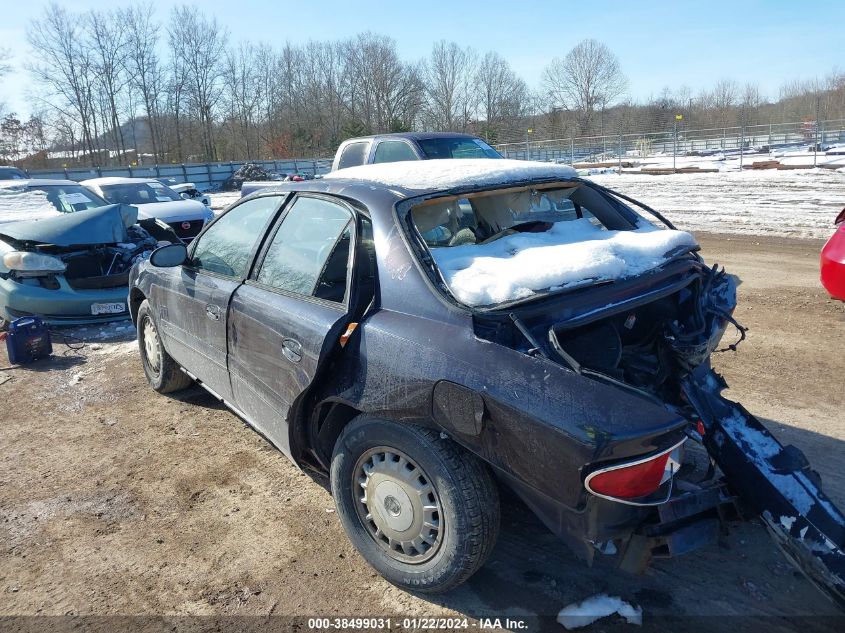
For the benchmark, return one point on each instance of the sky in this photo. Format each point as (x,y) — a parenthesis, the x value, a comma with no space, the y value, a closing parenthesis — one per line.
(659,43)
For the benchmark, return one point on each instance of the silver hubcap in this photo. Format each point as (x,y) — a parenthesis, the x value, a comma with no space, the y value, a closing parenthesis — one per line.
(398,504)
(151,345)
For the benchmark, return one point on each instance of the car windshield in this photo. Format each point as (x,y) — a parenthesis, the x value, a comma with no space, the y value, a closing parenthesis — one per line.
(139,193)
(11,173)
(70,198)
(456,148)
(498,247)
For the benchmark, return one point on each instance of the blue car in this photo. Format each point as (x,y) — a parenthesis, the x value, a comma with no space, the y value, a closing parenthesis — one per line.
(65,253)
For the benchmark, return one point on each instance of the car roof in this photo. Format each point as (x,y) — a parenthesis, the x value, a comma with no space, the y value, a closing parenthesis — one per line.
(117,180)
(412,136)
(429,176)
(379,187)
(36,181)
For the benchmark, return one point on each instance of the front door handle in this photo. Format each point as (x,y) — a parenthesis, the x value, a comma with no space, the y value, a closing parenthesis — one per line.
(212,312)
(292,350)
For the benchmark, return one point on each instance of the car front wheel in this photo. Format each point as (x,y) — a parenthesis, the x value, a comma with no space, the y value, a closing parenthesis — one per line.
(162,372)
(420,509)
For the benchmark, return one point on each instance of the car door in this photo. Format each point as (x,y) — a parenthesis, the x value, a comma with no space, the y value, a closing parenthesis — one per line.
(289,315)
(194,311)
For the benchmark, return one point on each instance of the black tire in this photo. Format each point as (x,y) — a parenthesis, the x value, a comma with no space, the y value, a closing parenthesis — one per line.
(463,491)
(164,376)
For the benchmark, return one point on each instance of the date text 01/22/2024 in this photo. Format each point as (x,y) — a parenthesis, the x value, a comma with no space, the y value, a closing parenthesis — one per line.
(419,623)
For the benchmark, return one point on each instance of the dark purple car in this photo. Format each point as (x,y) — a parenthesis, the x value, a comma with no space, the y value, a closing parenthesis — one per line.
(427,332)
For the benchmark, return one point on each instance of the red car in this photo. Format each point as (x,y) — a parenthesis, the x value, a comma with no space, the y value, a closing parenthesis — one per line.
(833,261)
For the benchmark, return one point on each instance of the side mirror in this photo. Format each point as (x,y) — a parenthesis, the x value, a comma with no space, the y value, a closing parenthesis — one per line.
(170,255)
(185,196)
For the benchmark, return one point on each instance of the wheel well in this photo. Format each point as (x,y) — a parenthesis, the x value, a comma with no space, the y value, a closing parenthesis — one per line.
(329,420)
(136,298)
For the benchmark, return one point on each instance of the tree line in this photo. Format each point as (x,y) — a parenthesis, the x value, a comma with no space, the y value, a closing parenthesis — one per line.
(124,86)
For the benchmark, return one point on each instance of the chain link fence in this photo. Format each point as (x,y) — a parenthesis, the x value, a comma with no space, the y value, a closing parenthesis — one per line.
(203,175)
(678,141)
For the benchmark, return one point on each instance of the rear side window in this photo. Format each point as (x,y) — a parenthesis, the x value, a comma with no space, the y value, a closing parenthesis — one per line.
(226,246)
(353,155)
(393,151)
(309,254)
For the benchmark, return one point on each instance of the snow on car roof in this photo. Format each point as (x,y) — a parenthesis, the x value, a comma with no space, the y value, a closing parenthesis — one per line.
(441,174)
(570,253)
(17,204)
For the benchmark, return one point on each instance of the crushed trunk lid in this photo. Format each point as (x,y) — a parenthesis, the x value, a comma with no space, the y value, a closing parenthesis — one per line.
(774,481)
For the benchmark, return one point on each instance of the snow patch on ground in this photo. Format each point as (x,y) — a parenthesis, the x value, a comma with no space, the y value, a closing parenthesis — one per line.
(587,611)
(571,252)
(17,205)
(429,175)
(221,200)
(794,203)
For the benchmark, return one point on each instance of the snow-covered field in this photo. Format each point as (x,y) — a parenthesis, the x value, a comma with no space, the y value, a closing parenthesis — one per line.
(794,203)
(787,203)
(222,199)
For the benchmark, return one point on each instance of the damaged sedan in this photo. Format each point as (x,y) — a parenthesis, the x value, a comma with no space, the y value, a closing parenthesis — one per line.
(428,332)
(65,254)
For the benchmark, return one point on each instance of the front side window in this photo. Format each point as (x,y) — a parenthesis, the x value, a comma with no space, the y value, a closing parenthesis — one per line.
(393,152)
(226,246)
(139,193)
(309,254)
(353,155)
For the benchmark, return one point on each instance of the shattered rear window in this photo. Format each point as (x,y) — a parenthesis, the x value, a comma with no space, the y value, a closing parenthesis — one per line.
(501,246)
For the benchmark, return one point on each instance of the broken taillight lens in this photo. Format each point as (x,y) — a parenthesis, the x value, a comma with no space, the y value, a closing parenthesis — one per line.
(840,218)
(635,480)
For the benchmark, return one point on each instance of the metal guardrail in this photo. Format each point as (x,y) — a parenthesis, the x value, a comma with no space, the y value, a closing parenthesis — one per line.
(203,175)
(678,141)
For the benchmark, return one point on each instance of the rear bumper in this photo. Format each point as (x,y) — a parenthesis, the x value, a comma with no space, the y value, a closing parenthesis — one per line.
(688,521)
(63,306)
(833,265)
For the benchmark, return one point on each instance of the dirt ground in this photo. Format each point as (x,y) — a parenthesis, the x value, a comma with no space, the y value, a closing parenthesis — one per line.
(116,500)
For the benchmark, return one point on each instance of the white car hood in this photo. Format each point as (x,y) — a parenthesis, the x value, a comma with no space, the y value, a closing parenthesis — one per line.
(174,211)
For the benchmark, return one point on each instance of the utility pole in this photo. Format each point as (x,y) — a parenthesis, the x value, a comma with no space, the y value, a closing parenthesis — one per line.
(678,117)
(527,146)
(818,124)
(741,135)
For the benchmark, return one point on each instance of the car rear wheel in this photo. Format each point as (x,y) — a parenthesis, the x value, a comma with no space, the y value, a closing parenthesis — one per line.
(421,510)
(162,372)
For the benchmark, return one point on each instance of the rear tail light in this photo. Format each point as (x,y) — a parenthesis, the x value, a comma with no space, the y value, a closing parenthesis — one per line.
(636,482)
(840,218)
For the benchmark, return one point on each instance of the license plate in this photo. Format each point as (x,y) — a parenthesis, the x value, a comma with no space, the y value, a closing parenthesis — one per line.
(107,308)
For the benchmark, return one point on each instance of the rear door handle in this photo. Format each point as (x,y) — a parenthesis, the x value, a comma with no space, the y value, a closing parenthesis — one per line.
(212,312)
(292,350)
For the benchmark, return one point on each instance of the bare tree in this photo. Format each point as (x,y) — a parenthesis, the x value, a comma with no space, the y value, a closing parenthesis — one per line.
(502,95)
(62,65)
(243,97)
(106,40)
(587,79)
(144,67)
(384,94)
(5,57)
(449,78)
(198,43)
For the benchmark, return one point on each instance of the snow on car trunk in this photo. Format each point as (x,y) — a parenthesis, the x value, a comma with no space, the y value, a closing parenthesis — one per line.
(570,253)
